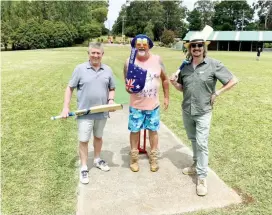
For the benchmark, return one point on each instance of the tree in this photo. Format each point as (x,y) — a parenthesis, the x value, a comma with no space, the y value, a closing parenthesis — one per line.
(194,19)
(91,30)
(148,30)
(61,20)
(232,15)
(29,36)
(100,14)
(174,15)
(167,37)
(206,10)
(117,26)
(161,14)
(137,18)
(264,8)
(6,32)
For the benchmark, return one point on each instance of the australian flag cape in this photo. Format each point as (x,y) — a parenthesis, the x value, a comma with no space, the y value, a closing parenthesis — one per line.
(135,79)
(185,62)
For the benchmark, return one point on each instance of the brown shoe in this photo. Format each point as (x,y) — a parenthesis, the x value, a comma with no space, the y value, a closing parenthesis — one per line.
(190,170)
(134,160)
(153,160)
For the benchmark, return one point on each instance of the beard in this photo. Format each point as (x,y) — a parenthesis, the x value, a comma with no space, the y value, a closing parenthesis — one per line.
(197,53)
(141,53)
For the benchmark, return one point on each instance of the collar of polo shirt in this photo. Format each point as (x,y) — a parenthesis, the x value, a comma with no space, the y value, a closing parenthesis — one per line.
(89,66)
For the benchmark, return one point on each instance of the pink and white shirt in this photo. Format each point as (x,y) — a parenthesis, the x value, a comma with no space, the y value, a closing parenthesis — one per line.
(148,98)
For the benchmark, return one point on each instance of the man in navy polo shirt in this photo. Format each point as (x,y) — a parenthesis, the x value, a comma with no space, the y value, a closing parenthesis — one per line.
(95,86)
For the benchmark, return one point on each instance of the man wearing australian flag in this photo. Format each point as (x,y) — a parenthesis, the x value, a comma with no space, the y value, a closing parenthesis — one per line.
(143,72)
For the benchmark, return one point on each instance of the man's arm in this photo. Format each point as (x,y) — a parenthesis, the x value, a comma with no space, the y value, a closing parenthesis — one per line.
(165,85)
(111,96)
(111,89)
(67,98)
(227,86)
(178,86)
(222,74)
(225,77)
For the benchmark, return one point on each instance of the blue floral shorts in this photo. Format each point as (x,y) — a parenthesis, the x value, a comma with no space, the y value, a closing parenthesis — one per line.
(143,119)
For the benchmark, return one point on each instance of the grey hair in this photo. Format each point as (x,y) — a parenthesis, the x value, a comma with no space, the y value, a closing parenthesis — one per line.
(96,46)
(189,56)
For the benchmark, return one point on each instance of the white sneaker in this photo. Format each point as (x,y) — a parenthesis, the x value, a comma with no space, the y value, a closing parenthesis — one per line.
(102,165)
(84,176)
(202,187)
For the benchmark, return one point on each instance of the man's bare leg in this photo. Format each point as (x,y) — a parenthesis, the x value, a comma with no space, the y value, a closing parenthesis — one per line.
(83,153)
(97,144)
(153,156)
(153,139)
(134,139)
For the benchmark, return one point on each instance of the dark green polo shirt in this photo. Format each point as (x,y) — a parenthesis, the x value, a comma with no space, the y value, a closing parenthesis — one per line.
(199,84)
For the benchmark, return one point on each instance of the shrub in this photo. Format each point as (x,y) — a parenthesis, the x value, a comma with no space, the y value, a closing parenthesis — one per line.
(29,36)
(167,37)
(59,35)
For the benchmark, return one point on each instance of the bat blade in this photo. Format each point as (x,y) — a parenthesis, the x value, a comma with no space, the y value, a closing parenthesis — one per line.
(95,109)
(105,108)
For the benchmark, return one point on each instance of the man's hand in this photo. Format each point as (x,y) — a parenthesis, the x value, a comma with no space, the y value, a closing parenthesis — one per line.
(65,112)
(213,97)
(166,103)
(173,78)
(110,102)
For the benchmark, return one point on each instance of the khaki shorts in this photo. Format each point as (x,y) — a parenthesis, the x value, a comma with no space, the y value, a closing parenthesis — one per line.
(87,126)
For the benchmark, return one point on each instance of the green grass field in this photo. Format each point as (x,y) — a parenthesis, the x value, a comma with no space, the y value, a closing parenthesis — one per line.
(39,156)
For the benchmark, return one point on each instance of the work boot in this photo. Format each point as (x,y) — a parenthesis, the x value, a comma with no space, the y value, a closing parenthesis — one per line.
(190,170)
(202,187)
(134,160)
(153,160)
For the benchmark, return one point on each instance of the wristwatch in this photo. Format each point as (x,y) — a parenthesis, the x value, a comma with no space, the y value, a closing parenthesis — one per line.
(110,99)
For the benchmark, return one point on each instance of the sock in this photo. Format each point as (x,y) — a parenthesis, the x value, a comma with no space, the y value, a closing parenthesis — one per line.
(84,167)
(96,160)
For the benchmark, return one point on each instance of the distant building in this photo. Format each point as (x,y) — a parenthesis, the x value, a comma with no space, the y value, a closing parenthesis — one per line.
(236,40)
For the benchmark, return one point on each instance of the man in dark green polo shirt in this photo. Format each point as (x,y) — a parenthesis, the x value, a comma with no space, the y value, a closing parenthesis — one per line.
(197,81)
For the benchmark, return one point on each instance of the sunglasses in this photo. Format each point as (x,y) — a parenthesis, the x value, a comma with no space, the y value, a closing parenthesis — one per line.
(141,43)
(199,45)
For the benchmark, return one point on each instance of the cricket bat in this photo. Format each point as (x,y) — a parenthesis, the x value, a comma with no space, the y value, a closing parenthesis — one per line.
(95,109)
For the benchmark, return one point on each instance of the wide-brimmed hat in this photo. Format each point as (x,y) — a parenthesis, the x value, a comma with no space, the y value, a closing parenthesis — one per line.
(200,37)
(142,36)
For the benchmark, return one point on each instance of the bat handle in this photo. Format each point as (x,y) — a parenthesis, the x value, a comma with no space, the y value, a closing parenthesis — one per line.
(59,117)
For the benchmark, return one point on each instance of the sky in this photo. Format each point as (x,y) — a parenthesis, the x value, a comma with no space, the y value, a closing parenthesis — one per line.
(115,7)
